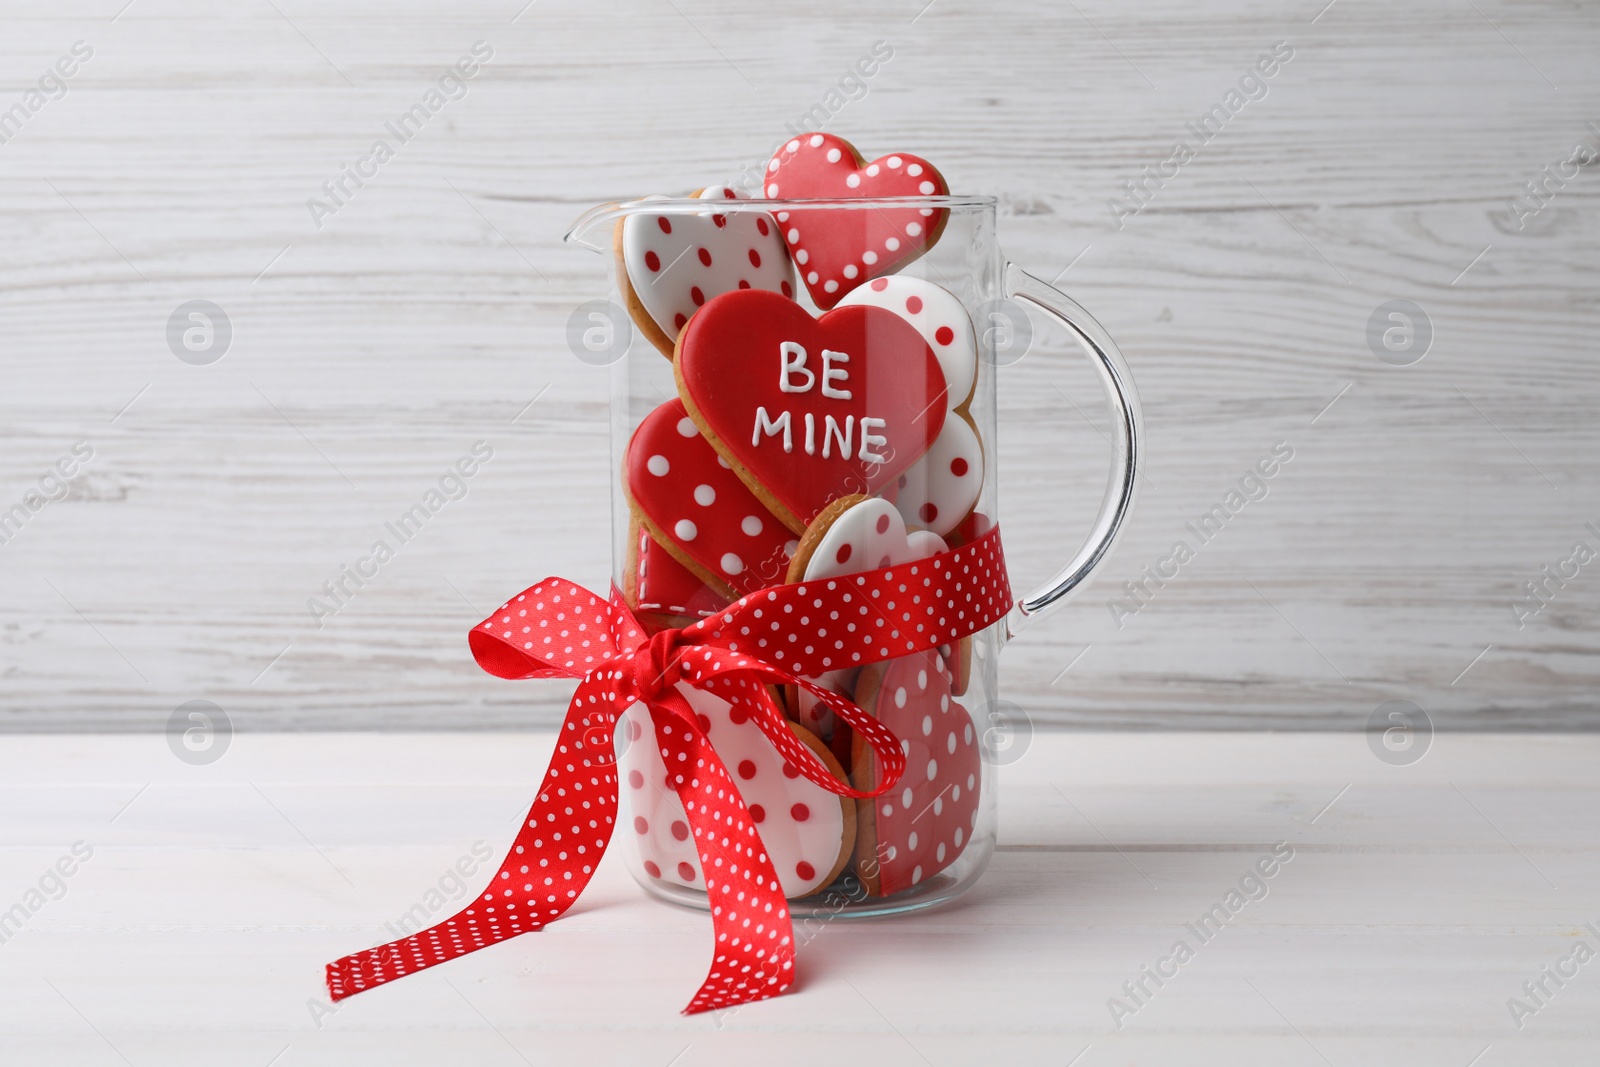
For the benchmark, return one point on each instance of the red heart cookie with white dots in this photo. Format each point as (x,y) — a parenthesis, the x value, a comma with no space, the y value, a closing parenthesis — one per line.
(917,829)
(671,263)
(694,505)
(659,589)
(809,410)
(807,831)
(837,249)
(958,658)
(969,529)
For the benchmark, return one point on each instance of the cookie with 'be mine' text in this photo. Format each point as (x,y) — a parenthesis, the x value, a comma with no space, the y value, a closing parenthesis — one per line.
(808,410)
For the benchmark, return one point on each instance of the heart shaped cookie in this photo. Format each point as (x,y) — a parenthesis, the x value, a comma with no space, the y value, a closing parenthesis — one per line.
(812,713)
(837,249)
(809,410)
(852,535)
(807,831)
(969,529)
(958,656)
(671,263)
(691,502)
(940,318)
(659,589)
(917,829)
(943,487)
(857,534)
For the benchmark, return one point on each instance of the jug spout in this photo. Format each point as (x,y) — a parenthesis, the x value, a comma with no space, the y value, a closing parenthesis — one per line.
(593,228)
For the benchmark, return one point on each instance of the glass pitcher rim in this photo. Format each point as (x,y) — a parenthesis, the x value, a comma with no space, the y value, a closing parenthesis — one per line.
(610,212)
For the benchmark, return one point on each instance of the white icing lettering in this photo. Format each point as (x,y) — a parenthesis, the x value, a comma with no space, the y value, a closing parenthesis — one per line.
(811,434)
(792,360)
(830,429)
(770,426)
(868,452)
(830,374)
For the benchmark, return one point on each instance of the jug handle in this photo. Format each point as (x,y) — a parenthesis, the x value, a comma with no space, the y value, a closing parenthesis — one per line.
(1120,489)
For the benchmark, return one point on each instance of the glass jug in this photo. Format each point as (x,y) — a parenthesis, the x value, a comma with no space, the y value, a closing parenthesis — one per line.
(693,529)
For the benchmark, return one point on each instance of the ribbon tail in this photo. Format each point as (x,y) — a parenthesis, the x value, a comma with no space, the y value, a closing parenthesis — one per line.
(554,856)
(753,957)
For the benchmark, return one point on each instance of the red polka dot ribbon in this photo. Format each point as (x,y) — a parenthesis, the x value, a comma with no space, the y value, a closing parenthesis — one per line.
(776,636)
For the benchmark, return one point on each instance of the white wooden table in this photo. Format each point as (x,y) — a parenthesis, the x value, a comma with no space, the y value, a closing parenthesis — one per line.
(1418,901)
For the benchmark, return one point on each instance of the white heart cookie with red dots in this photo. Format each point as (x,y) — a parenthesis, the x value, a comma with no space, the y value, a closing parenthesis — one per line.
(671,263)
(943,487)
(811,712)
(837,249)
(808,832)
(855,534)
(939,317)
(918,828)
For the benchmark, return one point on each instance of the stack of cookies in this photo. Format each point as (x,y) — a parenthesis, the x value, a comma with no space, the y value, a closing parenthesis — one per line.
(805,447)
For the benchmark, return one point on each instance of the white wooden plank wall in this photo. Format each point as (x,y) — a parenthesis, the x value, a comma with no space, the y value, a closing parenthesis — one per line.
(424,315)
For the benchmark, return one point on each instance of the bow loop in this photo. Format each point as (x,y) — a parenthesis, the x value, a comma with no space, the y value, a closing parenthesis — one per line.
(556,629)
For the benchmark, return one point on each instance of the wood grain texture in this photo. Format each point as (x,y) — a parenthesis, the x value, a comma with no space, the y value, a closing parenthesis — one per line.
(1417,901)
(427,312)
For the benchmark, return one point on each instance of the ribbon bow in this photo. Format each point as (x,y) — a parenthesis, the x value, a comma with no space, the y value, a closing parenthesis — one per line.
(775,636)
